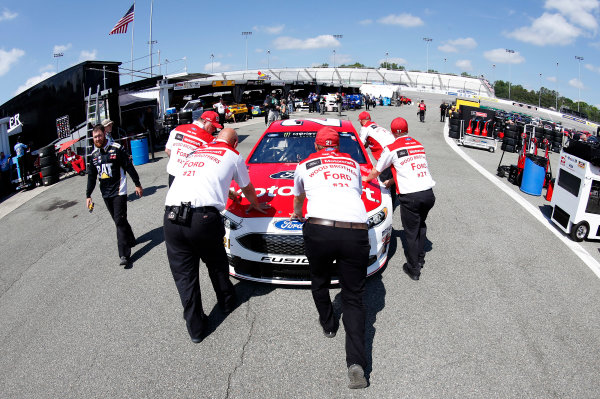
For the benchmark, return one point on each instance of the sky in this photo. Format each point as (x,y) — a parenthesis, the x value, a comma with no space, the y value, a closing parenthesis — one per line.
(466,37)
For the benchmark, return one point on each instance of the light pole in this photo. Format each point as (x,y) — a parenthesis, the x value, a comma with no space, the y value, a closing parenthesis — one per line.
(557,86)
(268,59)
(509,69)
(151,42)
(387,65)
(212,59)
(579,59)
(57,56)
(166,67)
(246,34)
(336,37)
(494,74)
(540,97)
(427,40)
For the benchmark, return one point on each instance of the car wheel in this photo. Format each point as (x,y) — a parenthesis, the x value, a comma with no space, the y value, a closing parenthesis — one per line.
(579,232)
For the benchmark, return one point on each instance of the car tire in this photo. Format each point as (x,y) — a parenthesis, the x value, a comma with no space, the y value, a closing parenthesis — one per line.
(509,141)
(51,170)
(47,161)
(580,231)
(49,180)
(511,134)
(508,148)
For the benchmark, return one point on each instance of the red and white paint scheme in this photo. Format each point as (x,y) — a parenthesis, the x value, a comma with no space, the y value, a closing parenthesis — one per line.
(270,248)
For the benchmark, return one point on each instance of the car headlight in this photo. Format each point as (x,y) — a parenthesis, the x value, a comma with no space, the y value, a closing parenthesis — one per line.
(230,224)
(377,218)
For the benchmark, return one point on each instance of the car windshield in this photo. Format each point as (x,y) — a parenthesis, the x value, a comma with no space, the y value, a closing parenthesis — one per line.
(293,147)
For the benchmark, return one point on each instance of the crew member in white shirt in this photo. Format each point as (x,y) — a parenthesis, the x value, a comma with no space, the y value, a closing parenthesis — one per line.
(193,226)
(415,191)
(335,229)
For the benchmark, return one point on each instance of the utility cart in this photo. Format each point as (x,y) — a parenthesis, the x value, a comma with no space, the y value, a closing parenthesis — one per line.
(576,198)
(470,140)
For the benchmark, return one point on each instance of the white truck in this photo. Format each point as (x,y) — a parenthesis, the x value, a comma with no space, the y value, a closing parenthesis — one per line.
(576,198)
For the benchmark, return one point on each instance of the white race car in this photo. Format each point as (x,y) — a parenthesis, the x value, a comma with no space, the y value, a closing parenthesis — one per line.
(270,248)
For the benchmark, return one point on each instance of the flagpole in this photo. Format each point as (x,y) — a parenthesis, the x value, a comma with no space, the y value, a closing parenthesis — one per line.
(151,7)
(132,32)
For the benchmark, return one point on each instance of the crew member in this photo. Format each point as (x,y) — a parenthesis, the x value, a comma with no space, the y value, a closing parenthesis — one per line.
(327,179)
(274,107)
(422,109)
(338,101)
(443,109)
(108,162)
(70,159)
(186,138)
(220,108)
(376,138)
(193,225)
(415,194)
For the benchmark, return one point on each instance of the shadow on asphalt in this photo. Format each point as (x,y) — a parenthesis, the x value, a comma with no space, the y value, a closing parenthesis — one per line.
(147,192)
(244,290)
(400,234)
(375,302)
(546,210)
(149,240)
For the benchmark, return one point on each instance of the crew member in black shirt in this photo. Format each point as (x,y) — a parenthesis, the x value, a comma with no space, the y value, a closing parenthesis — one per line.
(109,162)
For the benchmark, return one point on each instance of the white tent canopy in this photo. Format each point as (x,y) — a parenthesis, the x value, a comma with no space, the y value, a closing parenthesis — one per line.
(379,90)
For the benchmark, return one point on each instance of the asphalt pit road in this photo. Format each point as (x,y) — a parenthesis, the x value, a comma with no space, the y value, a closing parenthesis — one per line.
(59,204)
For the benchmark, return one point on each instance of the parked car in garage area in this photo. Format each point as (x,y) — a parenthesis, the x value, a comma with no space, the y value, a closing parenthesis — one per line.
(270,248)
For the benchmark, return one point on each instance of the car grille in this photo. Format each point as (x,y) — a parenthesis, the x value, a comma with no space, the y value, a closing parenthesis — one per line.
(281,244)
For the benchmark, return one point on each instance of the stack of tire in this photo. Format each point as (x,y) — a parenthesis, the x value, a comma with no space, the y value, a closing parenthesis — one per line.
(49,165)
(185,117)
(171,122)
(454,132)
(557,141)
(511,139)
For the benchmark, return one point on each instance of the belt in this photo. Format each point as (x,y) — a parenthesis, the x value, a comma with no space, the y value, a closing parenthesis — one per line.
(335,223)
(201,209)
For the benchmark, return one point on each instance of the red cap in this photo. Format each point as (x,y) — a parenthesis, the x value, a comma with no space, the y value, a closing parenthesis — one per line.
(399,125)
(212,117)
(327,137)
(364,115)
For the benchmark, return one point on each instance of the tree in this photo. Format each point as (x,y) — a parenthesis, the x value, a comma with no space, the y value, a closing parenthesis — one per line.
(355,65)
(392,65)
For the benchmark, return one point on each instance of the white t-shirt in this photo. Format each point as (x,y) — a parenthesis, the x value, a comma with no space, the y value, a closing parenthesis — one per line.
(333,187)
(220,108)
(183,140)
(411,172)
(375,137)
(206,174)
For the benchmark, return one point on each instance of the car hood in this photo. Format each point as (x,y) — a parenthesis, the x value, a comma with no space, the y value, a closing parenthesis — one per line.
(274,183)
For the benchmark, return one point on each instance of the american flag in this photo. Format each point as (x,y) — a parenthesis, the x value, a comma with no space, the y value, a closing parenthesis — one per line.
(121,26)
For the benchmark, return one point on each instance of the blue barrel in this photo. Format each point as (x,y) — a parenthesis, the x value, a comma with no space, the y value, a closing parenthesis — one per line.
(534,174)
(139,151)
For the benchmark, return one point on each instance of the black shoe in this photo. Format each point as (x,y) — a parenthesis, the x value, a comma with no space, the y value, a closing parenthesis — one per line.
(356,375)
(331,334)
(202,335)
(410,274)
(124,261)
(229,306)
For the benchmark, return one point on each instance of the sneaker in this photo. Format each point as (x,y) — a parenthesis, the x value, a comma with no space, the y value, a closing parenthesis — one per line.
(124,261)
(356,374)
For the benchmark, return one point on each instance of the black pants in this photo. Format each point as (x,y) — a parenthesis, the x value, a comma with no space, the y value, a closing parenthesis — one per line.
(350,249)
(117,207)
(422,116)
(414,208)
(443,117)
(186,246)
(221,119)
(387,174)
(367,105)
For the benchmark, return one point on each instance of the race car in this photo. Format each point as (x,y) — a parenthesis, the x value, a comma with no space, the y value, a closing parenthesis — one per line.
(270,248)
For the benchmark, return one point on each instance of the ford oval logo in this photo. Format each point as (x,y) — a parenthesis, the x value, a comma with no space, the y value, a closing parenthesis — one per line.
(286,174)
(288,225)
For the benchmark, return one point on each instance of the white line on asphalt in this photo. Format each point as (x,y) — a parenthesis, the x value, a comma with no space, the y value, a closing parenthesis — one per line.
(536,213)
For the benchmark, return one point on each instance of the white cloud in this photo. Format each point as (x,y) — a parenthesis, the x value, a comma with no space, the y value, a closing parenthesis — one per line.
(394,60)
(592,68)
(552,79)
(8,58)
(7,15)
(405,20)
(366,22)
(271,30)
(576,83)
(33,81)
(340,59)
(579,12)
(465,65)
(47,68)
(291,43)
(61,48)
(258,50)
(86,55)
(456,45)
(218,67)
(501,56)
(549,29)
